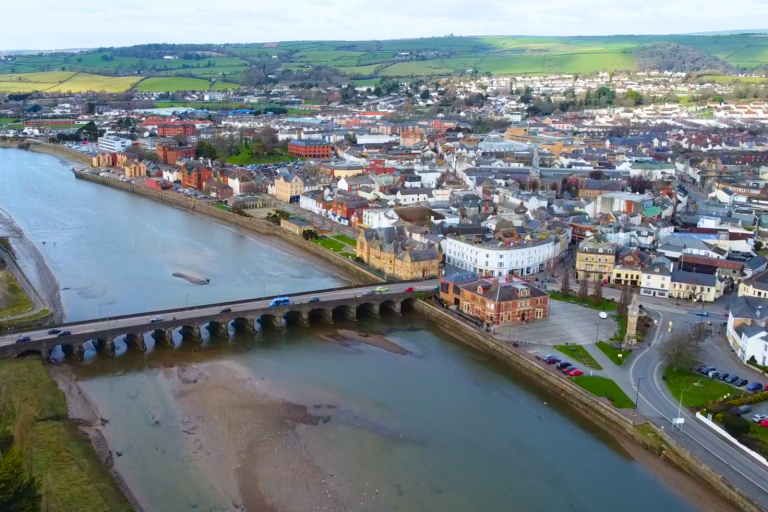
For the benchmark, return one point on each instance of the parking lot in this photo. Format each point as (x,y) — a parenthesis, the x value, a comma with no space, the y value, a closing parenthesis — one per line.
(567,323)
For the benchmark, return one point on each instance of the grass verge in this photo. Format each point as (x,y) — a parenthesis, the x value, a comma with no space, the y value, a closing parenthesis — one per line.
(63,461)
(14,299)
(600,386)
(580,354)
(613,353)
(347,240)
(331,244)
(697,390)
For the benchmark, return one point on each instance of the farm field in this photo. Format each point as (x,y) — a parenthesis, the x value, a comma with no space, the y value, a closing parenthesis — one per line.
(403,58)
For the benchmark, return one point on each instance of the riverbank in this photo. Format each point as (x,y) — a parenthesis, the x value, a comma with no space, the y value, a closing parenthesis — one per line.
(72,474)
(63,153)
(618,424)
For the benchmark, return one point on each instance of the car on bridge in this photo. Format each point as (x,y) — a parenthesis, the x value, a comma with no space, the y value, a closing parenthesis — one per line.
(156,319)
(226,310)
(63,333)
(314,299)
(381,289)
(409,289)
(23,339)
(54,331)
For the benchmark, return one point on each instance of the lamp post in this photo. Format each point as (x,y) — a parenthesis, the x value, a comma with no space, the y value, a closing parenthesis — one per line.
(637,398)
(680,406)
(597,333)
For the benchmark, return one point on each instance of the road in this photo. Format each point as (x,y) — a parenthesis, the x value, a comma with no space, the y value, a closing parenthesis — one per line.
(101,325)
(657,404)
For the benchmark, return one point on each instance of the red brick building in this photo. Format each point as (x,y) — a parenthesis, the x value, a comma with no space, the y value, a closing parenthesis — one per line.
(174,129)
(498,303)
(309,149)
(170,154)
(194,175)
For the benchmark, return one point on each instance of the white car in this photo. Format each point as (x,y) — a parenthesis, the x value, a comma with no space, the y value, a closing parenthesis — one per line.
(155,319)
(757,418)
(603,314)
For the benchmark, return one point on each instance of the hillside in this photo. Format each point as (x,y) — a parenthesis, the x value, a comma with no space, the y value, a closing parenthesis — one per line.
(678,58)
(224,66)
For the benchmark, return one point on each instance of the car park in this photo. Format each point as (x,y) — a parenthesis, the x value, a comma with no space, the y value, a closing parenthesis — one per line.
(757,418)
(23,339)
(755,386)
(63,333)
(741,383)
(54,331)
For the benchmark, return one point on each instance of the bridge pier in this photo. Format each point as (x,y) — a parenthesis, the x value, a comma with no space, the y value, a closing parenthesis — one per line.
(192,333)
(247,325)
(76,352)
(327,316)
(163,337)
(272,321)
(349,312)
(373,309)
(395,307)
(105,346)
(136,341)
(218,329)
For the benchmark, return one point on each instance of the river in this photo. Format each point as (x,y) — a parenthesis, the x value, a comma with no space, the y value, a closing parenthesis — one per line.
(298,419)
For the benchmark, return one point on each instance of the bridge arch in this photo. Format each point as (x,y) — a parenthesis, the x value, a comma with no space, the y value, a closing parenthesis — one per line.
(345,312)
(30,353)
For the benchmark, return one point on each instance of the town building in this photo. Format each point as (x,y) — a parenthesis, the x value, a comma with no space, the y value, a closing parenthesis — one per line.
(295,225)
(114,144)
(755,286)
(495,258)
(656,280)
(309,149)
(595,260)
(450,287)
(746,328)
(176,129)
(288,188)
(168,154)
(695,286)
(195,175)
(499,302)
(390,251)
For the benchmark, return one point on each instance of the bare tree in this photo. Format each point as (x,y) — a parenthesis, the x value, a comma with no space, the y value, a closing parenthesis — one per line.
(583,289)
(682,349)
(597,294)
(565,287)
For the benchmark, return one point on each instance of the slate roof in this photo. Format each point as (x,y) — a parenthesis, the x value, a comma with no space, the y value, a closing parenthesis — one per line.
(694,278)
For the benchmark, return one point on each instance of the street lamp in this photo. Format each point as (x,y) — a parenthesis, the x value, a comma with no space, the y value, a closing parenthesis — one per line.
(680,406)
(637,399)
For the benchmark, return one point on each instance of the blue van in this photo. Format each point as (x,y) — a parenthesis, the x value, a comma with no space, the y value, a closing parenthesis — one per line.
(280,301)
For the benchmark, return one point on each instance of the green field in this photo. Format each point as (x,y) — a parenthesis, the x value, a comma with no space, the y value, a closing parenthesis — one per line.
(696,390)
(403,58)
(173,84)
(613,353)
(729,79)
(13,299)
(85,82)
(602,387)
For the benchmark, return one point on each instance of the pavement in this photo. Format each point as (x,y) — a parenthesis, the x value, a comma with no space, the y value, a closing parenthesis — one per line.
(567,323)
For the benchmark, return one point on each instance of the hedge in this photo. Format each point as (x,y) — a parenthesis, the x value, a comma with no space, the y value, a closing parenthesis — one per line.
(752,399)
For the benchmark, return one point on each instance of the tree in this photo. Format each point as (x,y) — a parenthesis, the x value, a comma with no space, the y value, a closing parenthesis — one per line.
(735,425)
(565,286)
(639,184)
(90,131)
(309,234)
(205,149)
(19,491)
(597,294)
(632,97)
(758,245)
(681,350)
(424,94)
(583,289)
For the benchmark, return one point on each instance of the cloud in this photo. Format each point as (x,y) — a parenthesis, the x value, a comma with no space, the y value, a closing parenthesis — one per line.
(239,21)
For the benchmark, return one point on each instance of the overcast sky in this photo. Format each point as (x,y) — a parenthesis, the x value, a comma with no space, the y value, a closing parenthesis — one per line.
(94,23)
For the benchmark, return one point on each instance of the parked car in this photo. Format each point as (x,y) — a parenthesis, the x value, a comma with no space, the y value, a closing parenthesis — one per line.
(226,310)
(603,314)
(732,379)
(54,331)
(382,289)
(757,418)
(562,364)
(755,386)
(63,333)
(551,359)
(156,319)
(576,373)
(566,369)
(23,339)
(711,373)
(741,383)
(764,423)
(705,370)
(714,375)
(314,299)
(409,289)
(723,376)
(698,368)
(702,313)
(744,409)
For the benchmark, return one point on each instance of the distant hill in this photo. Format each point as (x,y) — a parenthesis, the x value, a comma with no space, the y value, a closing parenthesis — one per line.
(678,58)
(369,62)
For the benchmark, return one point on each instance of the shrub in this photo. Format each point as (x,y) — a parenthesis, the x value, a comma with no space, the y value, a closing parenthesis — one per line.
(735,425)
(718,417)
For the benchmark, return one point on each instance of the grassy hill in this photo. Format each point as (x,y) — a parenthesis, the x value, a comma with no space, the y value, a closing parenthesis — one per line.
(222,66)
